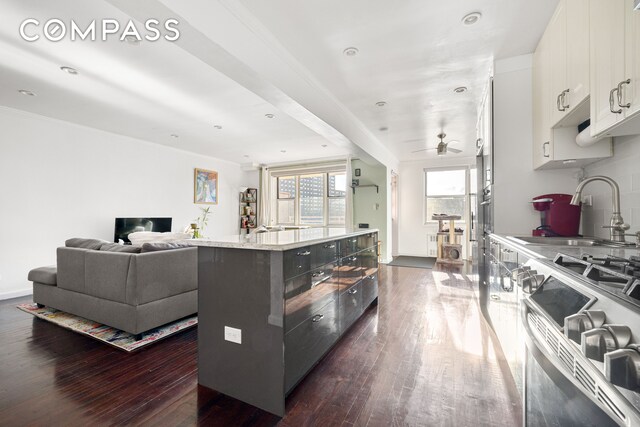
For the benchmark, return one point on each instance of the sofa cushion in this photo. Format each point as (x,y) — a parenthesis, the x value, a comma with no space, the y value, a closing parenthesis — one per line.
(163,246)
(78,242)
(45,275)
(115,247)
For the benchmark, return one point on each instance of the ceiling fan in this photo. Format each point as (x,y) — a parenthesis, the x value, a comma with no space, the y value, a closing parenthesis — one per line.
(442,147)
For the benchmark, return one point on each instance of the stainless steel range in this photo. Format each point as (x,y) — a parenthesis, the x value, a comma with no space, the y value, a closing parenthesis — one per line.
(582,330)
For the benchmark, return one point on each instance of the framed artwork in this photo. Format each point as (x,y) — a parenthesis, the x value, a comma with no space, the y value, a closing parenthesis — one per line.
(205,187)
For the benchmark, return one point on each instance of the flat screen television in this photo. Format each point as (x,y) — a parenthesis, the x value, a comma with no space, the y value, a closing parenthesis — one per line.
(125,226)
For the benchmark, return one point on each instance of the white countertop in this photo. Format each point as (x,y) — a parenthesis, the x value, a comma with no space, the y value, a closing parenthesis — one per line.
(550,251)
(282,240)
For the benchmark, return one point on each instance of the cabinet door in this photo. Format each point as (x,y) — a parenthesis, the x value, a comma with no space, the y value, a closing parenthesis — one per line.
(351,306)
(297,261)
(542,142)
(607,61)
(324,253)
(369,289)
(631,91)
(557,31)
(307,293)
(305,345)
(577,51)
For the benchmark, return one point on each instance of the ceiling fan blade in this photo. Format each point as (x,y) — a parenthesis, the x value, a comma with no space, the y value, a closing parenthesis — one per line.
(424,149)
(454,150)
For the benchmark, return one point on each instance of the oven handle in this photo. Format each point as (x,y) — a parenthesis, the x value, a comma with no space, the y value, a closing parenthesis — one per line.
(566,383)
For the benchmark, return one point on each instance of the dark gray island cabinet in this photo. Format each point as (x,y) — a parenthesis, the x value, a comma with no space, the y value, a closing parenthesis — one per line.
(271,305)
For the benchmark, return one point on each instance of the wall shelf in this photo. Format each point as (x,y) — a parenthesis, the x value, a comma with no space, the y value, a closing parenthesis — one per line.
(366,185)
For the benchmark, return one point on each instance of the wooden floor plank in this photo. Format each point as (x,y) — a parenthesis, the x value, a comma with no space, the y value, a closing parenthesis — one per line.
(423,356)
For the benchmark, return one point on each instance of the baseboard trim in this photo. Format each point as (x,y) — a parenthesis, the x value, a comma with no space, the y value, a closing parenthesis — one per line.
(16,294)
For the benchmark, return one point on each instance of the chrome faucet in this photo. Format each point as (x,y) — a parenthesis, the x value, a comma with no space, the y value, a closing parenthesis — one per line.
(617,226)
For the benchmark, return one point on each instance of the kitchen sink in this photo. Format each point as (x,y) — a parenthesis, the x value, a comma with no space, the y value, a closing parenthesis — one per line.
(563,241)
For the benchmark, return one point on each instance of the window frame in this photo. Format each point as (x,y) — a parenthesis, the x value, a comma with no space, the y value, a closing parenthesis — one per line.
(329,197)
(464,196)
(297,173)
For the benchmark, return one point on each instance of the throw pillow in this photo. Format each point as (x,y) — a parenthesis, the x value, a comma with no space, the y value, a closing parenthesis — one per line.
(163,246)
(78,242)
(115,247)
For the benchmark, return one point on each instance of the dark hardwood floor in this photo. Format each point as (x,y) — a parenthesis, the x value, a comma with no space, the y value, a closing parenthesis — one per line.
(423,357)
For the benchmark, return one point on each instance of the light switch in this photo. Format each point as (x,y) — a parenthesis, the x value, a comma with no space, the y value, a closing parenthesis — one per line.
(233,334)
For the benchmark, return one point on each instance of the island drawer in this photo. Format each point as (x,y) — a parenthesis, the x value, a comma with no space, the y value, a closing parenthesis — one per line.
(307,343)
(349,271)
(297,261)
(324,253)
(369,289)
(350,306)
(369,261)
(367,241)
(348,246)
(309,292)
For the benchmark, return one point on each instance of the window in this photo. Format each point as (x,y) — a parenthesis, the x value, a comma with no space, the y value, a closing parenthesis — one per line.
(314,199)
(336,200)
(445,192)
(286,199)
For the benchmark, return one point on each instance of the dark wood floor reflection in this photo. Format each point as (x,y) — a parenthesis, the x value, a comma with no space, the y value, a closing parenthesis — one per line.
(423,356)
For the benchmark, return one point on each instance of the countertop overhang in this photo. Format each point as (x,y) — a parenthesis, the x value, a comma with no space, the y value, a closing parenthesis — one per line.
(282,240)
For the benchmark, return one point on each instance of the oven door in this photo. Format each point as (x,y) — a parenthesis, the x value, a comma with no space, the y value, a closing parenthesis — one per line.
(550,397)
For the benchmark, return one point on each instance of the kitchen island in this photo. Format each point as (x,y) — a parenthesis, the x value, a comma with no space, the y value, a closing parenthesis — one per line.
(271,305)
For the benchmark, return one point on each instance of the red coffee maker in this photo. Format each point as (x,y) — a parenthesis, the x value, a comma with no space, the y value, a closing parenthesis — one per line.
(557,216)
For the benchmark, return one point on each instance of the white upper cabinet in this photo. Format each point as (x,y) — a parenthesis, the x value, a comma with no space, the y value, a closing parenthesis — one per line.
(631,92)
(615,67)
(561,90)
(569,31)
(577,53)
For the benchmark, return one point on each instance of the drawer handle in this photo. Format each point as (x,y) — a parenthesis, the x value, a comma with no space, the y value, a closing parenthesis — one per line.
(329,246)
(317,318)
(352,291)
(305,253)
(318,274)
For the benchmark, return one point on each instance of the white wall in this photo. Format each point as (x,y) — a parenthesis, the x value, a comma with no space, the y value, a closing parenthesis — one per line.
(364,200)
(59,180)
(624,168)
(412,230)
(515,181)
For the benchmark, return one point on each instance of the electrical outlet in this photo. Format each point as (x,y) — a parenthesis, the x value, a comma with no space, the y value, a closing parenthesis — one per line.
(233,334)
(587,200)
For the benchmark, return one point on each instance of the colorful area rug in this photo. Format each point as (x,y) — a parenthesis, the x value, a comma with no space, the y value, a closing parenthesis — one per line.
(115,337)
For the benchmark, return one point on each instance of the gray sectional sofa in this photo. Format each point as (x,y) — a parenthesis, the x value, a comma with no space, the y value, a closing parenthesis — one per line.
(132,289)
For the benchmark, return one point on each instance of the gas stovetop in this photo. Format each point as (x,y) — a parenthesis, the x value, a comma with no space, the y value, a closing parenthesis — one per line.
(611,273)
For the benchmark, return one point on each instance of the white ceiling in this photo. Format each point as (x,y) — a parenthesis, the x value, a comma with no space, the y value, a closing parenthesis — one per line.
(236,62)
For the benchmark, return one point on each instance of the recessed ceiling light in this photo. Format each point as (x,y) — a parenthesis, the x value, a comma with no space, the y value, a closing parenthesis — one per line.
(460,89)
(324,145)
(27,92)
(217,127)
(471,18)
(351,51)
(384,129)
(269,116)
(173,135)
(132,40)
(283,151)
(70,70)
(246,155)
(381,103)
